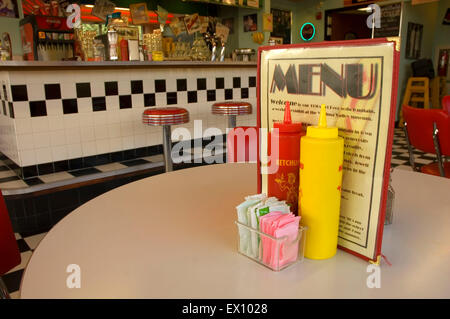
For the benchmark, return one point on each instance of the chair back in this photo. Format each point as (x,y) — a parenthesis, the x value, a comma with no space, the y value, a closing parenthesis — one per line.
(446,104)
(420,128)
(9,251)
(242,144)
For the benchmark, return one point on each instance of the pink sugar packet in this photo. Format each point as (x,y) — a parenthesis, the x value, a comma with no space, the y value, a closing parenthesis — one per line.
(264,225)
(276,224)
(288,249)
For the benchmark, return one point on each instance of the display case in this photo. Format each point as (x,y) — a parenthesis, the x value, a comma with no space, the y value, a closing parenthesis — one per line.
(46,38)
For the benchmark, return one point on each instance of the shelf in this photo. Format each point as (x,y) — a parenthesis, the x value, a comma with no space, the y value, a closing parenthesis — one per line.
(56,31)
(55,41)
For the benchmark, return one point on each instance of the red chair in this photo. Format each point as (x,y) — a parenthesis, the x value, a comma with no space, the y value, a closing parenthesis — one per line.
(242,144)
(429,131)
(9,251)
(446,104)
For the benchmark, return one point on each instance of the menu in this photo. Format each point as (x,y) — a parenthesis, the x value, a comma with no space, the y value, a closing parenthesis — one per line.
(389,21)
(357,81)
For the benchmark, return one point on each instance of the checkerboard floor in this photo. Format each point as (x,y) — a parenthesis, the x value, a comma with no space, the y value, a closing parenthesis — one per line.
(28,242)
(400,154)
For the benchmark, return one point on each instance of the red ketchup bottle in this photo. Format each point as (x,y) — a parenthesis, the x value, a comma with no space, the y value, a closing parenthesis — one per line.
(124,50)
(285,182)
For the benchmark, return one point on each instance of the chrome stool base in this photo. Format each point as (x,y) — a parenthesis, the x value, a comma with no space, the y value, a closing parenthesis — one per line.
(167,148)
(231,110)
(165,117)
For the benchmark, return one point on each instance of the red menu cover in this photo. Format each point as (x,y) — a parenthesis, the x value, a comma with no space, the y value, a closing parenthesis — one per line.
(357,81)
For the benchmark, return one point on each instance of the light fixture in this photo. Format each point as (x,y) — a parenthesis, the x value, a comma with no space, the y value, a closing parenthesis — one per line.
(116,8)
(366,9)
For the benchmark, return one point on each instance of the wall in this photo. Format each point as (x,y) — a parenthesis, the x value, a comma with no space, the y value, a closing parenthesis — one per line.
(425,14)
(442,32)
(11,26)
(233,39)
(305,11)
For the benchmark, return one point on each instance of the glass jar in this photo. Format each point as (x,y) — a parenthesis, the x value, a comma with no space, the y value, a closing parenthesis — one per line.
(99,50)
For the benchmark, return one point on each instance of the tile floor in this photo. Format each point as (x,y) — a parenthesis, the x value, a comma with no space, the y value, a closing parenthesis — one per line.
(27,244)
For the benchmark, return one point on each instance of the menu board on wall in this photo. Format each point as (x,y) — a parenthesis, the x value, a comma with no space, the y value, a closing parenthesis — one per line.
(357,81)
(390,21)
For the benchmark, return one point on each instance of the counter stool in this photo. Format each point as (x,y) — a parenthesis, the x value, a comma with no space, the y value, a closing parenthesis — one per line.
(231,109)
(165,117)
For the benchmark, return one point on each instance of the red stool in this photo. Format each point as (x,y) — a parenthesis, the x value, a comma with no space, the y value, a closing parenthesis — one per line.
(165,117)
(231,109)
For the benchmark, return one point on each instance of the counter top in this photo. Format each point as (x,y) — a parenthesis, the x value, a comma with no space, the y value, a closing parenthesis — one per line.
(18,65)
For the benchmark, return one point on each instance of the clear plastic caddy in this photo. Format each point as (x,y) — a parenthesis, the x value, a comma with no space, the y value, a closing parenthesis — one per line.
(274,253)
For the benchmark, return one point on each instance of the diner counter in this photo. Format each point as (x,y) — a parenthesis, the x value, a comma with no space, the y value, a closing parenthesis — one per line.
(18,65)
(69,111)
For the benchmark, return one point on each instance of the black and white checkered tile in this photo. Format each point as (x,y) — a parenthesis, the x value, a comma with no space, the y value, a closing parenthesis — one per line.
(400,154)
(7,104)
(128,94)
(28,242)
(45,174)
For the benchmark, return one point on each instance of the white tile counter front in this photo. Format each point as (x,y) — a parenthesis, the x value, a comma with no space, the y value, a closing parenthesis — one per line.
(59,111)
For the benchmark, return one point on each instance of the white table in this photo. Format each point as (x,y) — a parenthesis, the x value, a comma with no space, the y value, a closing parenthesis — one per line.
(173,236)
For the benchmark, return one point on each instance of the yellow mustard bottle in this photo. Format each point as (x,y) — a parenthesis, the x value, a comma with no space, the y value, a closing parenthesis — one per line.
(321,161)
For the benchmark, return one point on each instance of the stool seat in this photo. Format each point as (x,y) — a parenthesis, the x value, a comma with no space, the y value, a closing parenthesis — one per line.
(231,108)
(165,116)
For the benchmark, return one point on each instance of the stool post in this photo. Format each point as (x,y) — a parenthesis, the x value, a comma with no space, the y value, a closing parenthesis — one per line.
(167,147)
(231,121)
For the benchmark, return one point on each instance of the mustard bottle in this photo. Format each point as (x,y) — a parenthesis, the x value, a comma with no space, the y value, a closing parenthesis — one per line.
(321,161)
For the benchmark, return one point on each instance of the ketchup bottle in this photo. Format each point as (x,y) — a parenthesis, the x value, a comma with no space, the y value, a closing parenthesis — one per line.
(285,182)
(124,50)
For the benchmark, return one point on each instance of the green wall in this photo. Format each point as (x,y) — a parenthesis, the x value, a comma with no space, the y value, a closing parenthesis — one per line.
(424,14)
(442,32)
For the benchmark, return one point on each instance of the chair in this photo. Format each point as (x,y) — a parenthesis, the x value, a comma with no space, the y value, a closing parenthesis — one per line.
(231,110)
(165,117)
(9,251)
(428,131)
(417,91)
(446,104)
(242,144)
